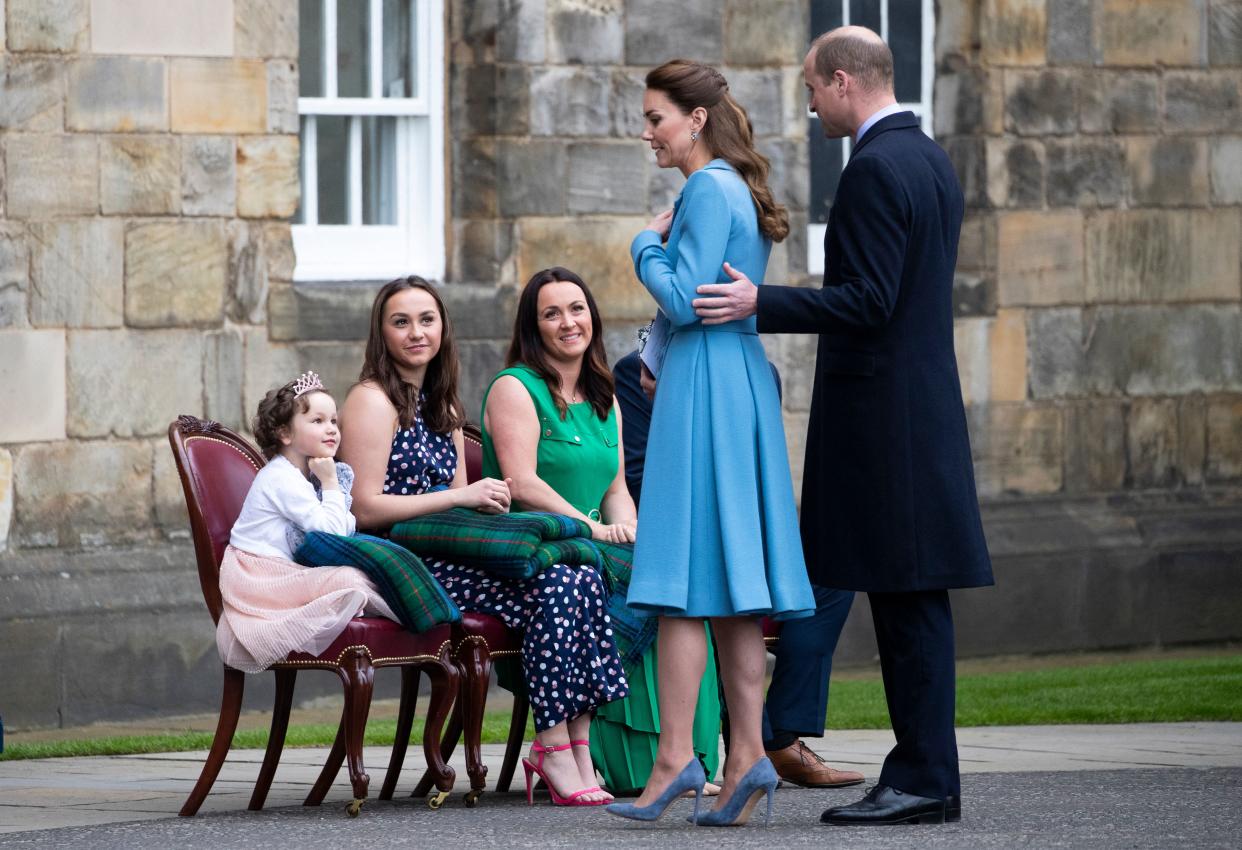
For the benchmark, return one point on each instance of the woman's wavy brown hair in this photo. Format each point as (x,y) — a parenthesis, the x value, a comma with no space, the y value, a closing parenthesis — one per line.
(527,345)
(442,411)
(728,132)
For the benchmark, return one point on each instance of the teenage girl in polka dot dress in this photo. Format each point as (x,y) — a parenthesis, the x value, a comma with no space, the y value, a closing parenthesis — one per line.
(401,433)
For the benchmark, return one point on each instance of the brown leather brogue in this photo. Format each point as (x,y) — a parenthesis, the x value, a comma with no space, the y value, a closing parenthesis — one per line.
(801,765)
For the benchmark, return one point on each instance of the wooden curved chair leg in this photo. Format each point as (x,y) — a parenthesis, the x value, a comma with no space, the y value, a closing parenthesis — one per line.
(478,666)
(285,679)
(448,741)
(445,687)
(331,767)
(410,677)
(230,710)
(517,735)
(358,676)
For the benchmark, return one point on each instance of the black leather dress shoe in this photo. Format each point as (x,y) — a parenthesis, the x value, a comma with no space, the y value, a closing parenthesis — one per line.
(952,809)
(885,805)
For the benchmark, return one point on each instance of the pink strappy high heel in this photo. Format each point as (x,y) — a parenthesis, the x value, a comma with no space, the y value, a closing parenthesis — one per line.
(574,799)
(587,744)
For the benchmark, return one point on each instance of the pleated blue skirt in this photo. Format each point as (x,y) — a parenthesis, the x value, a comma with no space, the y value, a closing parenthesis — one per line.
(717,527)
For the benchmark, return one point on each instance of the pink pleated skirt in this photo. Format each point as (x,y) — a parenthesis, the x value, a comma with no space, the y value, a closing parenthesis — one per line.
(273,607)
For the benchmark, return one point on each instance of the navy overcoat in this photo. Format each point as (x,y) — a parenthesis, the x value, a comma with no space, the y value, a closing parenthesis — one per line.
(888,489)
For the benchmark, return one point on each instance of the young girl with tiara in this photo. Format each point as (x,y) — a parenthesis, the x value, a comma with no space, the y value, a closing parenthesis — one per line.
(273,606)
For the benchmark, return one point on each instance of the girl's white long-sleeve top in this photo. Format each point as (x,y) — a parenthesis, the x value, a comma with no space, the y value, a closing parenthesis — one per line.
(282,499)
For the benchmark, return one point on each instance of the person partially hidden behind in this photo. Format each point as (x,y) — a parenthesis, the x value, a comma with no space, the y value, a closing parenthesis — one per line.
(797,700)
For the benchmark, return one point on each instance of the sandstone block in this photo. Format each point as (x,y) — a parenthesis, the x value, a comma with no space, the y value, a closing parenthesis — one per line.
(481,359)
(208,175)
(1173,255)
(968,154)
(140,175)
(1227,170)
(1120,102)
(336,362)
(607,178)
(1224,438)
(1057,348)
(1013,32)
(1017,448)
(474,178)
(1151,443)
(764,33)
(523,36)
(31,94)
(1225,32)
(974,294)
(1041,102)
(77,271)
(267,366)
(132,383)
(50,175)
(585,31)
(119,94)
(167,495)
(482,249)
(175,273)
(1202,102)
(795,443)
(14,275)
(267,176)
(1192,437)
(278,250)
(160,28)
(663,187)
(223,373)
(48,26)
(1007,344)
(1040,258)
(1015,172)
(570,101)
(247,291)
(1069,32)
(1154,32)
(266,28)
(491,100)
(759,93)
(1085,173)
(788,177)
(626,103)
(282,96)
(969,100)
(71,493)
(32,381)
(974,366)
(6,496)
(321,311)
(219,96)
(655,31)
(481,311)
(596,249)
(516,161)
(1095,446)
(1168,171)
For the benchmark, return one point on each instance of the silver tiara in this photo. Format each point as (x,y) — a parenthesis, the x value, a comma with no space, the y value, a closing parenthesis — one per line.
(308,382)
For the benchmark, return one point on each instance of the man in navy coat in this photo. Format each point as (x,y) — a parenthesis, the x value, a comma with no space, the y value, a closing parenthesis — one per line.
(888,496)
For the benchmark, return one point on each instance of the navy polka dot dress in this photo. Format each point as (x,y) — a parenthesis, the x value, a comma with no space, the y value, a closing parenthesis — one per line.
(569,657)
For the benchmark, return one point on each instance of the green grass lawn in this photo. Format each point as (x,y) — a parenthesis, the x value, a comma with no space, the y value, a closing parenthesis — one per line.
(1146,691)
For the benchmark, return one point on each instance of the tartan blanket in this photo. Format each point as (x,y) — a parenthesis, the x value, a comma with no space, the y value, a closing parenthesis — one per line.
(402,579)
(523,544)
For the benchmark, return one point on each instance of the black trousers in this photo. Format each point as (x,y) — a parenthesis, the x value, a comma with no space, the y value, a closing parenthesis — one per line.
(914,632)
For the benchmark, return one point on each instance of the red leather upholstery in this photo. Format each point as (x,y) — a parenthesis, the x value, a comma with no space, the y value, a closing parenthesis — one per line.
(383,638)
(771,628)
(221,475)
(473,438)
(499,637)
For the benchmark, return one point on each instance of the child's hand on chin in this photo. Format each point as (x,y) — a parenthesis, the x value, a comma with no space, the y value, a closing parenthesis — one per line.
(323,468)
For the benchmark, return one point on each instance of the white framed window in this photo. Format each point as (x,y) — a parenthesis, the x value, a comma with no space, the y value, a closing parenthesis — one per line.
(371,115)
(909,28)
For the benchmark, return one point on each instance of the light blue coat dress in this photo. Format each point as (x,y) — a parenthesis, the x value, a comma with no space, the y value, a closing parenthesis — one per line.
(718,527)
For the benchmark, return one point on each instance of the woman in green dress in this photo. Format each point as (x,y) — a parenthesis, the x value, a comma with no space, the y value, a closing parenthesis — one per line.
(551,426)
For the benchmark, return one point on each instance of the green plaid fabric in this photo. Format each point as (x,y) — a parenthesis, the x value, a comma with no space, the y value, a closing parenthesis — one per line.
(402,579)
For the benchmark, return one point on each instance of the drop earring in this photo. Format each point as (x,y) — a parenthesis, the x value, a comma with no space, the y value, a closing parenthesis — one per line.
(694,135)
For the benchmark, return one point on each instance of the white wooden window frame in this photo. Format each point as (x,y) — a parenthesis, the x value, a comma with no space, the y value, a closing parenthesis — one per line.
(415,244)
(922,107)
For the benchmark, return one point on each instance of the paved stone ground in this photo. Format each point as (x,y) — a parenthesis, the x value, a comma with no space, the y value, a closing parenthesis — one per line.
(1143,785)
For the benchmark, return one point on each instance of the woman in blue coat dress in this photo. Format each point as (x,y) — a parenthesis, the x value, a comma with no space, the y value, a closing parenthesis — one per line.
(720,530)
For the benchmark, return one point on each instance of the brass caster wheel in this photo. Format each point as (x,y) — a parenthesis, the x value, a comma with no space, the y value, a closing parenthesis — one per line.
(435,801)
(353,807)
(472,797)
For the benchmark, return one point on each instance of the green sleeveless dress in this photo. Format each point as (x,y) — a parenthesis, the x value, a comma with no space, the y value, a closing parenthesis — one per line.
(577,457)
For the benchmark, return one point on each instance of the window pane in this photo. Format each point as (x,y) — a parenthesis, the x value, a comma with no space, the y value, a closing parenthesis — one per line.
(310,48)
(333,162)
(826,165)
(865,13)
(379,170)
(299,217)
(825,15)
(905,37)
(399,64)
(353,36)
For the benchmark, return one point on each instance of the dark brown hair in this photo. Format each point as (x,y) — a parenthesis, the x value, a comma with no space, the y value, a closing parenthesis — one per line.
(869,61)
(276,411)
(441,411)
(527,345)
(728,133)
